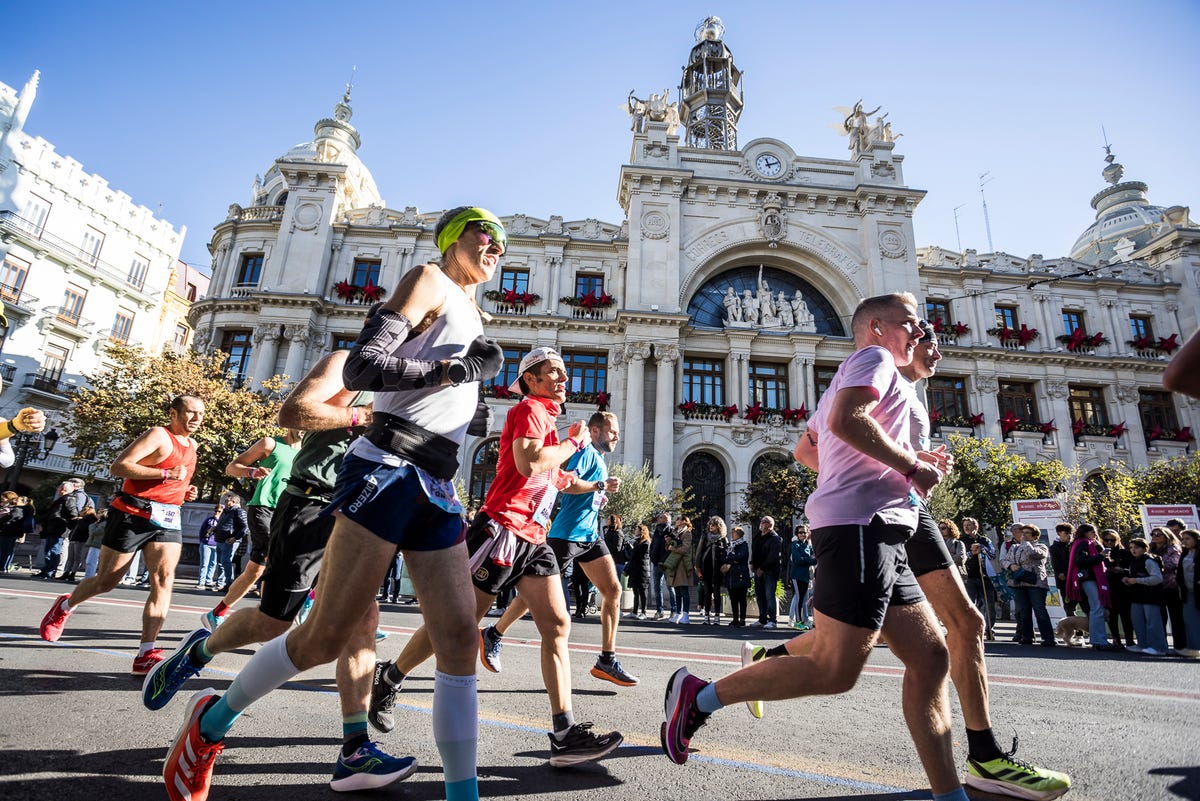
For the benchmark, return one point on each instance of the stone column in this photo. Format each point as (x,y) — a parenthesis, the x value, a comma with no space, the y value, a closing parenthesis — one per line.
(552,288)
(810,384)
(795,393)
(1046,322)
(738,381)
(631,424)
(1127,396)
(664,415)
(266,350)
(297,335)
(1060,413)
(1116,334)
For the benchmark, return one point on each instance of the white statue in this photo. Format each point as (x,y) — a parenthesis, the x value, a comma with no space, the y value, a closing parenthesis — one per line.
(733,309)
(800,313)
(786,319)
(637,111)
(749,308)
(766,306)
(858,127)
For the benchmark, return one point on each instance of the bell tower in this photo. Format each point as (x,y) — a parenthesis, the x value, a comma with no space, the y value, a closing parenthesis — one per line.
(711,92)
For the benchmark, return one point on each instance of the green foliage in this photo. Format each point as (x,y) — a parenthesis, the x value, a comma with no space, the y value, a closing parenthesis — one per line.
(1172,481)
(638,497)
(779,491)
(1113,496)
(132,392)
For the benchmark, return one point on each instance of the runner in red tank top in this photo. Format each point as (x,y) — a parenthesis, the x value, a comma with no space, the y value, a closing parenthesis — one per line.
(158,468)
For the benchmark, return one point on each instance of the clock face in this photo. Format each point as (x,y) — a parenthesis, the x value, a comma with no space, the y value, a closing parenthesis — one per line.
(768,164)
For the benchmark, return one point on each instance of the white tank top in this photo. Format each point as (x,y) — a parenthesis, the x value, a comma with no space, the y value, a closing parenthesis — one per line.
(444,410)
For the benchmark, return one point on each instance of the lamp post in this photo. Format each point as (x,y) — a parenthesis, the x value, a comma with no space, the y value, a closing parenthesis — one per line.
(29,446)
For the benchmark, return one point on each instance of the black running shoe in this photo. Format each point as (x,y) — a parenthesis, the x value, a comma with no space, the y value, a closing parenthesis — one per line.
(383,700)
(580,745)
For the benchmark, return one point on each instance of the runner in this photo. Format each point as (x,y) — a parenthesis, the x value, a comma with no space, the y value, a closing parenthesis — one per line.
(989,768)
(269,462)
(394,488)
(575,538)
(507,542)
(863,510)
(145,516)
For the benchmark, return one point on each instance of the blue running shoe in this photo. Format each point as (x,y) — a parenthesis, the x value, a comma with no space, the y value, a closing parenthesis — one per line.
(166,677)
(305,608)
(369,767)
(210,621)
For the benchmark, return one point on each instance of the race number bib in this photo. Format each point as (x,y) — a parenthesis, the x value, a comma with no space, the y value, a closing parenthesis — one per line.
(164,515)
(440,492)
(541,515)
(599,501)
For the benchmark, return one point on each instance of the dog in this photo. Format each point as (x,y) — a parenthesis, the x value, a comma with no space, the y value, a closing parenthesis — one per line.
(1073,631)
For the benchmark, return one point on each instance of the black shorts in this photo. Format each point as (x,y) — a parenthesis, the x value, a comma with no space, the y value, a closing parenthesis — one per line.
(862,571)
(299,534)
(259,519)
(500,559)
(126,533)
(568,552)
(926,548)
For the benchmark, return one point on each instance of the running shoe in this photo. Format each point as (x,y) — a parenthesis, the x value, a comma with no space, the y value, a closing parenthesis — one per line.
(210,620)
(187,770)
(613,672)
(369,767)
(166,677)
(683,716)
(305,608)
(144,663)
(383,700)
(54,621)
(1007,775)
(489,649)
(580,745)
(381,635)
(751,653)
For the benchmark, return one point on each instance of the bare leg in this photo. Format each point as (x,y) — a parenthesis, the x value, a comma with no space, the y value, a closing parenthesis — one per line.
(109,573)
(356,664)
(964,637)
(423,643)
(161,559)
(544,596)
(603,573)
(237,590)
(915,637)
(511,615)
(243,627)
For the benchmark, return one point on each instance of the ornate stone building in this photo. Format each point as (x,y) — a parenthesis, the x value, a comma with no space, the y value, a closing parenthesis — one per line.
(712,317)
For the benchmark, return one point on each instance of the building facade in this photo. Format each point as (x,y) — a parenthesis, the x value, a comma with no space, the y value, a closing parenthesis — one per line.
(81,265)
(714,314)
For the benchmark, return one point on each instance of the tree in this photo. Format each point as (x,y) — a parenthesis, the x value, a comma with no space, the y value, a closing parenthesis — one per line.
(1172,481)
(132,391)
(638,497)
(779,491)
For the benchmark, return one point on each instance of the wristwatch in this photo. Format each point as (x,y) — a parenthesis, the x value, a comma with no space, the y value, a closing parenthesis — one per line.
(456,371)
(599,485)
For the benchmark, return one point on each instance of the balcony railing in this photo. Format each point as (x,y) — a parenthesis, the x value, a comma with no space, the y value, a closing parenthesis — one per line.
(510,309)
(584,313)
(9,220)
(45,382)
(8,372)
(69,315)
(11,294)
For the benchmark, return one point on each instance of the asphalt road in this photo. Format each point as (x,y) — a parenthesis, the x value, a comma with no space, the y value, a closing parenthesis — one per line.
(72,725)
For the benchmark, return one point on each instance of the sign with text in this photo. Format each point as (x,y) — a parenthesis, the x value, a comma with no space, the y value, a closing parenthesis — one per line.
(1158,515)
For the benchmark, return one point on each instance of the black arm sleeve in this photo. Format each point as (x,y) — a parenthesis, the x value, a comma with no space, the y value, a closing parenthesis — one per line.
(373,365)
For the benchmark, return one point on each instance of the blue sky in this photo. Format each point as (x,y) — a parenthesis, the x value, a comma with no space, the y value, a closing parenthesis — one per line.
(519,107)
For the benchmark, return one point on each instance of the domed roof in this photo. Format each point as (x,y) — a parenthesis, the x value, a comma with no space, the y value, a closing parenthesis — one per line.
(1125,220)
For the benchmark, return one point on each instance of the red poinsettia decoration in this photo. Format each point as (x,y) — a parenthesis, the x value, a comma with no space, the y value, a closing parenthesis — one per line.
(1168,344)
(1143,342)
(589,300)
(1076,340)
(1184,434)
(960,329)
(1097,338)
(687,407)
(1117,430)
(1156,432)
(934,417)
(976,420)
(602,401)
(754,412)
(1008,423)
(1003,333)
(371,292)
(344,289)
(1026,335)
(1077,427)
(511,296)
(500,391)
(791,415)
(938,325)
(729,411)
(1048,428)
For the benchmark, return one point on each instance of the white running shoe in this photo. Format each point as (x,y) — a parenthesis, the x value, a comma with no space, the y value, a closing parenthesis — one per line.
(751,653)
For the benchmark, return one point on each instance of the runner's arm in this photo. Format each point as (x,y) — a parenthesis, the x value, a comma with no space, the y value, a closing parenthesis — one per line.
(152,446)
(320,402)
(244,465)
(850,420)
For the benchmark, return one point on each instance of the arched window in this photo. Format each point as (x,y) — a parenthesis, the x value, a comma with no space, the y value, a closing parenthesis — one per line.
(769,462)
(707,307)
(704,477)
(282,199)
(483,470)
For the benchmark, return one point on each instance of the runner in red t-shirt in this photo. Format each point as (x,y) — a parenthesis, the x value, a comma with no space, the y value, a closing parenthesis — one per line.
(507,544)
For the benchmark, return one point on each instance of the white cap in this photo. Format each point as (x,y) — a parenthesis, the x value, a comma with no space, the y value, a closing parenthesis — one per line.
(532,359)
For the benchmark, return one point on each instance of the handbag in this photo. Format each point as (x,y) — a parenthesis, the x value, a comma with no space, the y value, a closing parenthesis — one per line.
(1023,576)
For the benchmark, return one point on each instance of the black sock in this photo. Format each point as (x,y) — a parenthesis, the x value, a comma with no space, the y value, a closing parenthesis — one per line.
(981,745)
(562,721)
(351,744)
(493,635)
(607,657)
(392,676)
(778,650)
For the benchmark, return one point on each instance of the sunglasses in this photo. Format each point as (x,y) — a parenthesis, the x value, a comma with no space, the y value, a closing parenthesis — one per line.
(493,233)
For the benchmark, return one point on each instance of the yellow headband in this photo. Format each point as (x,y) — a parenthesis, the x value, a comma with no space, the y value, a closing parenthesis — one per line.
(455,227)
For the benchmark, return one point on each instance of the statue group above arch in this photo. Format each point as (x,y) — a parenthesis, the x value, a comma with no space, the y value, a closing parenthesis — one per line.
(765,310)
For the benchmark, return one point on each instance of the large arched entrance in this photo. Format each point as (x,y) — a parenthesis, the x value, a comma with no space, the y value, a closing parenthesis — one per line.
(707,308)
(704,476)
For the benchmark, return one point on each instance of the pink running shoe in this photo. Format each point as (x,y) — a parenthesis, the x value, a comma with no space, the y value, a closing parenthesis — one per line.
(188,768)
(54,621)
(142,664)
(683,716)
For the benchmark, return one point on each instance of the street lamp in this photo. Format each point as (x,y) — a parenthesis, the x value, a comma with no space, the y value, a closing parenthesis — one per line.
(30,446)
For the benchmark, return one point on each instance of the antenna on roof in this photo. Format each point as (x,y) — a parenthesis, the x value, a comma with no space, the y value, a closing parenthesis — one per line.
(957,233)
(984,179)
(350,84)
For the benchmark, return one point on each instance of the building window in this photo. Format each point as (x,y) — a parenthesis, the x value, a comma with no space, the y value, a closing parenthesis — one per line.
(768,385)
(366,271)
(948,395)
(588,282)
(251,270)
(823,378)
(1072,322)
(703,380)
(54,362)
(137,271)
(182,332)
(344,341)
(191,293)
(93,241)
(1157,411)
(512,365)
(1140,327)
(237,345)
(483,470)
(122,326)
(588,371)
(1006,317)
(938,310)
(1017,398)
(514,280)
(35,214)
(1087,404)
(704,475)
(72,305)
(12,279)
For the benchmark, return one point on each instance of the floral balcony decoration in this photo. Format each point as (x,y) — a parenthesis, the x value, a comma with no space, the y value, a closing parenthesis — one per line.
(1167,344)
(369,292)
(729,412)
(1047,429)
(937,420)
(1167,435)
(960,329)
(512,297)
(1077,427)
(1157,432)
(688,408)
(1184,434)
(976,420)
(754,413)
(1141,343)
(1078,340)
(1080,429)
(1022,336)
(1117,430)
(601,399)
(1009,423)
(795,415)
(590,300)
(497,391)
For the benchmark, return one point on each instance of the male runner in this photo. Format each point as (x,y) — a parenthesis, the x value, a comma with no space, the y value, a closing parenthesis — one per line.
(507,543)
(144,516)
(989,768)
(863,510)
(575,538)
(269,462)
(423,355)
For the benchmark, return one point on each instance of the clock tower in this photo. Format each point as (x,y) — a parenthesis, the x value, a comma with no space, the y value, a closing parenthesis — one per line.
(711,91)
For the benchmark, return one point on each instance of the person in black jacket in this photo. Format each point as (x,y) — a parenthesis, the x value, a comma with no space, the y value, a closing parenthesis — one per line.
(232,527)
(61,515)
(1116,562)
(766,555)
(658,552)
(737,576)
(637,570)
(710,555)
(12,517)
(614,541)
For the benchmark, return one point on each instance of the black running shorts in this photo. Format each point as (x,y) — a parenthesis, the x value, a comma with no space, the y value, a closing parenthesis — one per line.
(260,532)
(567,552)
(500,559)
(861,570)
(126,533)
(299,534)
(926,549)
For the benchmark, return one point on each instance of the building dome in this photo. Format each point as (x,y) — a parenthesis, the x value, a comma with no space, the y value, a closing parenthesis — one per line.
(1125,220)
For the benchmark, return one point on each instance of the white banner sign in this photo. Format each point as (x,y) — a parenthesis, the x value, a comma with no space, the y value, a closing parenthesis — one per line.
(1158,515)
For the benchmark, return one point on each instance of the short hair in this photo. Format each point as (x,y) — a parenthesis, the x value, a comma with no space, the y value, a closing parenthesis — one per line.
(598,419)
(952,527)
(445,219)
(1189,532)
(1067,527)
(720,524)
(178,403)
(1139,542)
(1175,521)
(687,521)
(970,520)
(740,530)
(766,517)
(871,307)
(1083,529)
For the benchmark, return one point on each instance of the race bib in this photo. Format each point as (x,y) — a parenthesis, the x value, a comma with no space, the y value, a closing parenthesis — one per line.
(440,492)
(541,515)
(164,515)
(599,501)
